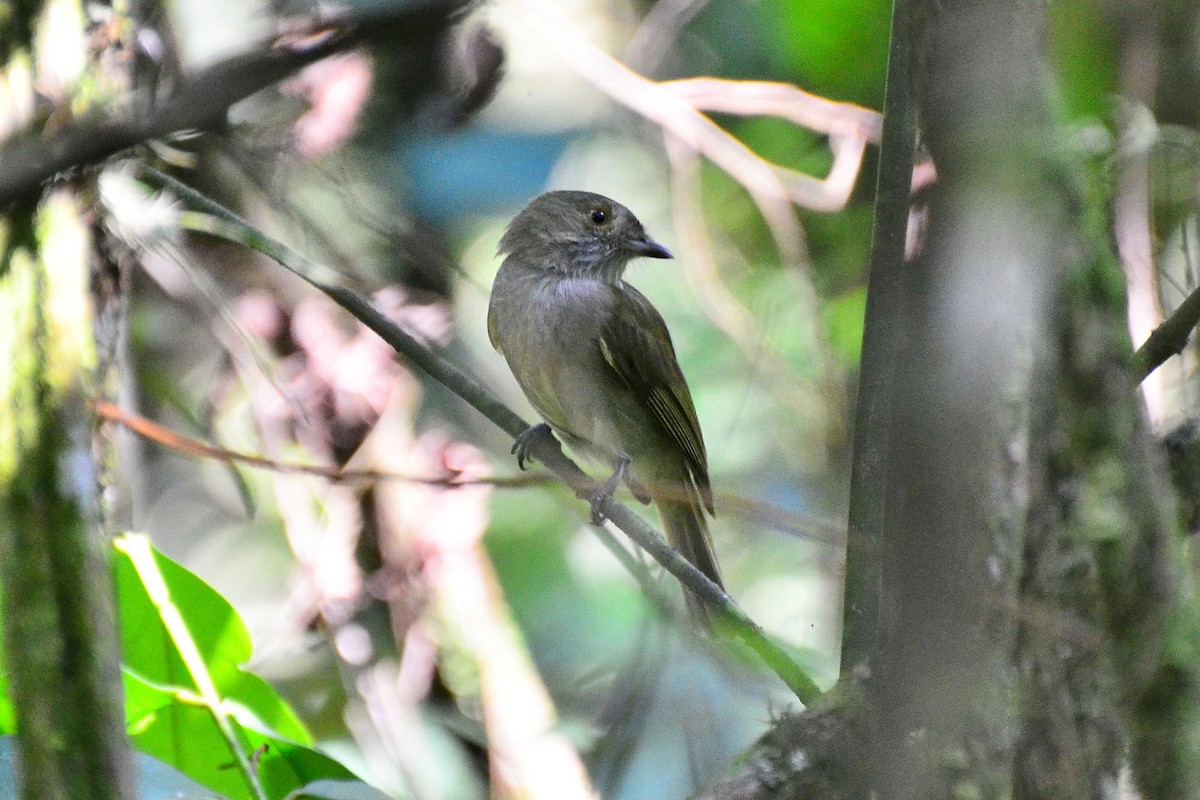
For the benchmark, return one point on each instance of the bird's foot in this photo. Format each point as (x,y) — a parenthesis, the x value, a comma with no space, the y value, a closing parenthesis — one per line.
(525,439)
(604,491)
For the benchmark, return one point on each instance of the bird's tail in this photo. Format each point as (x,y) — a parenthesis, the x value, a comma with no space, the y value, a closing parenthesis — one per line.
(687,532)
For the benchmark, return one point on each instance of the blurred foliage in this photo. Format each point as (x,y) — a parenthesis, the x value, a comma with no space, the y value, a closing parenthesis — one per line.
(1084,46)
(834,48)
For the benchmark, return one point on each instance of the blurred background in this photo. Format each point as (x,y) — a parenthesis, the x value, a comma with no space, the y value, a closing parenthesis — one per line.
(399,164)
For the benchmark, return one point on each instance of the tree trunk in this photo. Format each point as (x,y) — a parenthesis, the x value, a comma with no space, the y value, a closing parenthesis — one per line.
(61,653)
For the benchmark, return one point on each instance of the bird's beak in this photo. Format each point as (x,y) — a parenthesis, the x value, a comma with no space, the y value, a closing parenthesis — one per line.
(649,248)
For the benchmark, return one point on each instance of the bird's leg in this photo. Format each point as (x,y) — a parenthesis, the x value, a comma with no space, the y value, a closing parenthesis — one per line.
(524,439)
(605,490)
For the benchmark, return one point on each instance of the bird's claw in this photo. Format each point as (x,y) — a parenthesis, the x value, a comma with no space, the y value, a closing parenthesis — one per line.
(604,491)
(521,446)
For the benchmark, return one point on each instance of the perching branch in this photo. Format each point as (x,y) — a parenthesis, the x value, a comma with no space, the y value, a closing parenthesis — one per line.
(215,220)
(790,522)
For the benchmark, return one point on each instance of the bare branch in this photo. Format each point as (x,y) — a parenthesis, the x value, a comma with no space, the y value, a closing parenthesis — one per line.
(198,103)
(850,129)
(152,431)
(1132,232)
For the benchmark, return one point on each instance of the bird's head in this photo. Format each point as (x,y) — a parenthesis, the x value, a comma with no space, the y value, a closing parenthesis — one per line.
(579,233)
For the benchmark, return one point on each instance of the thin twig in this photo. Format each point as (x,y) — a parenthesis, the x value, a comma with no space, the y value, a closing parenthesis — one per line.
(224,224)
(768,515)
(152,431)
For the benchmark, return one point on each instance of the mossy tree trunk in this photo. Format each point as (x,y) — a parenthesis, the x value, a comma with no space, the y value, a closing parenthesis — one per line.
(61,654)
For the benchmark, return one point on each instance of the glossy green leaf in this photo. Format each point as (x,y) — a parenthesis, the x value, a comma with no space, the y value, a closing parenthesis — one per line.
(188,702)
(220,637)
(186,735)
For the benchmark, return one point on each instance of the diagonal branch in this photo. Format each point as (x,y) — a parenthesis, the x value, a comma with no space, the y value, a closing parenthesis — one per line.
(215,220)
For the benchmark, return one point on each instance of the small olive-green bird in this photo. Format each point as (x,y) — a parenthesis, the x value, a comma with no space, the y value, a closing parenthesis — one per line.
(596,361)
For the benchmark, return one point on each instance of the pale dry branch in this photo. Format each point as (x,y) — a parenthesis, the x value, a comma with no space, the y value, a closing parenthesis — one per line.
(850,129)
(1132,232)
(676,106)
(721,306)
(773,99)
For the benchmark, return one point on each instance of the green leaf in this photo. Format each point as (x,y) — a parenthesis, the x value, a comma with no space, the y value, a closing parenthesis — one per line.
(221,640)
(837,48)
(188,702)
(1083,48)
(188,737)
(8,723)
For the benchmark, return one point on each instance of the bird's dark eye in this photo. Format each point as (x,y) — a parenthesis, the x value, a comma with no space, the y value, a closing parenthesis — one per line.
(599,216)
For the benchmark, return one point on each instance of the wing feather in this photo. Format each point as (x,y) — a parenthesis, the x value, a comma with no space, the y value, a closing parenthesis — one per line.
(637,346)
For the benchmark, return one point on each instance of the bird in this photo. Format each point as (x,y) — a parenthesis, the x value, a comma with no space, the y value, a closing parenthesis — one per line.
(596,361)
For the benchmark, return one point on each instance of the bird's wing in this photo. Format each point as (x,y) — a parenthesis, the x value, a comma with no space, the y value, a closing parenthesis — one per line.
(636,344)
